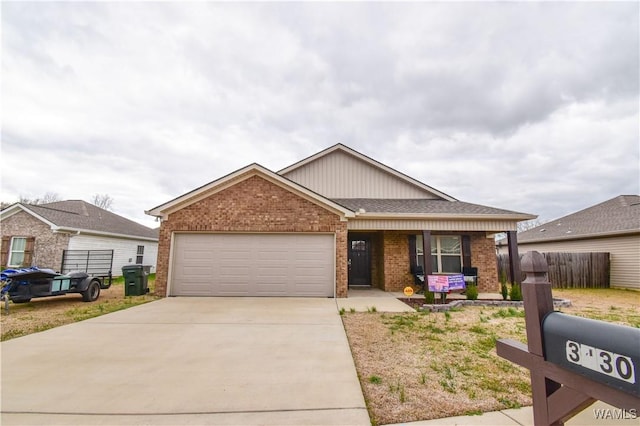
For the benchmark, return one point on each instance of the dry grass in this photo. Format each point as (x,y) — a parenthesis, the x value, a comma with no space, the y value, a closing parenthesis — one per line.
(48,312)
(419,366)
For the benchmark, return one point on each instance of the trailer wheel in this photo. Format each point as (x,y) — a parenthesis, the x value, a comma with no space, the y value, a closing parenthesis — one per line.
(92,292)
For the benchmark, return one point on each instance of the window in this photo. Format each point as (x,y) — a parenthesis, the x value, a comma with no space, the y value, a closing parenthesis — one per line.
(17,250)
(139,255)
(446,253)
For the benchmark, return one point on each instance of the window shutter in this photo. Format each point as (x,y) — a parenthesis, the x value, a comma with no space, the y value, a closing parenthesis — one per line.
(412,253)
(4,255)
(28,251)
(466,251)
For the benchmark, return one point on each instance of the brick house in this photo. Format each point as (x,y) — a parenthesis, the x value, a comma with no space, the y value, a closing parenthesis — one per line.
(333,220)
(37,235)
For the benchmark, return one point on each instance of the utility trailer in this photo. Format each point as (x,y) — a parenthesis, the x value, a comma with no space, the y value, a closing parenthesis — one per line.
(83,271)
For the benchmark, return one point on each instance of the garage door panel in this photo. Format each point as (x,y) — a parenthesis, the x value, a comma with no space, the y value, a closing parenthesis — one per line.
(253,265)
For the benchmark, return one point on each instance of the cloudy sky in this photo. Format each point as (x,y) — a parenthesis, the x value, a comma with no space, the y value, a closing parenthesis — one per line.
(532,107)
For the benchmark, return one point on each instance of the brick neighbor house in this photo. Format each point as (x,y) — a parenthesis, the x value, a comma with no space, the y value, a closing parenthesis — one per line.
(333,220)
(38,235)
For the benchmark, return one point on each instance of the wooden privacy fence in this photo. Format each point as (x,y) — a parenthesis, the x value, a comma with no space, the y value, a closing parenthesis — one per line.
(570,270)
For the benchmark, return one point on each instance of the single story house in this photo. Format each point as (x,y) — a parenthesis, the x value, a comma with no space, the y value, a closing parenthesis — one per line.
(333,220)
(38,235)
(612,226)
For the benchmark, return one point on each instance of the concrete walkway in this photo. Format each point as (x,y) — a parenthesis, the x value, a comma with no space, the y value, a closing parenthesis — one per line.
(186,361)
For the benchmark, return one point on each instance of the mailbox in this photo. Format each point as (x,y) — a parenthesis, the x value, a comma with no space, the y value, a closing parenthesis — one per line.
(607,353)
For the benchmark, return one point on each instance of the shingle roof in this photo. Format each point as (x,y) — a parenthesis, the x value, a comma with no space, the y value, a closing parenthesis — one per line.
(80,215)
(618,215)
(420,206)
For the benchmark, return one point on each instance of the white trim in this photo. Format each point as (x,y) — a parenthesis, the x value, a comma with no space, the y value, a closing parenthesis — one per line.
(11,251)
(78,231)
(459,216)
(170,268)
(238,176)
(570,237)
(16,208)
(370,161)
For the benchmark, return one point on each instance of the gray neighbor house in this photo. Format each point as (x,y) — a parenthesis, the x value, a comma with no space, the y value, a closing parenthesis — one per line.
(612,226)
(39,234)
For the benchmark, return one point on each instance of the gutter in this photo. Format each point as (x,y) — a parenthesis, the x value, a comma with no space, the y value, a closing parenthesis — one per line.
(77,231)
(569,237)
(454,216)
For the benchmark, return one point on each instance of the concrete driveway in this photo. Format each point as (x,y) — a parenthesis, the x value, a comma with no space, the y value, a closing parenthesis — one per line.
(188,361)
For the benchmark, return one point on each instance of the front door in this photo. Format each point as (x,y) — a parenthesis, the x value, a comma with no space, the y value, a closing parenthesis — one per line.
(359,260)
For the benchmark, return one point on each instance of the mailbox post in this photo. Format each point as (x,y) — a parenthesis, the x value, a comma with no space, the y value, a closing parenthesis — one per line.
(561,386)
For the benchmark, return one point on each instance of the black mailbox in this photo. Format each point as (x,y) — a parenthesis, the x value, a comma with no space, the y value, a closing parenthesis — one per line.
(604,352)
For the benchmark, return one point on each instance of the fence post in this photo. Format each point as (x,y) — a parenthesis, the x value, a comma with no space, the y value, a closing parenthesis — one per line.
(514,258)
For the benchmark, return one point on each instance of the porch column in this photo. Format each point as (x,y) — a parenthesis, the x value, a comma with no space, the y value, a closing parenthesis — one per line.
(426,251)
(514,258)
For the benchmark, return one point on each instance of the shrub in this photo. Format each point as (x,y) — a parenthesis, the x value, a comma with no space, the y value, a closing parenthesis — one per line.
(504,290)
(472,292)
(429,298)
(516,292)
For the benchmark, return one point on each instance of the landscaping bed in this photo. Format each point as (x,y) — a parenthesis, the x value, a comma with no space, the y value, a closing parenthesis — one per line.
(427,365)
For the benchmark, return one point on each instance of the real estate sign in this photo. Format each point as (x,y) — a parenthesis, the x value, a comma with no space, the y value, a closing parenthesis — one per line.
(445,283)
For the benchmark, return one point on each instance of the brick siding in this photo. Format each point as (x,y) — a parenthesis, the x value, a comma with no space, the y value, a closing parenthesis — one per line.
(48,246)
(483,257)
(253,205)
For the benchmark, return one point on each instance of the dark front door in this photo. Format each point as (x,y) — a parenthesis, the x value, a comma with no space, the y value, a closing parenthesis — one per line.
(359,261)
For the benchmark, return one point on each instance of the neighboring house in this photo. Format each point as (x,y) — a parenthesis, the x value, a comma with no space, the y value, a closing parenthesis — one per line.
(38,234)
(612,227)
(333,220)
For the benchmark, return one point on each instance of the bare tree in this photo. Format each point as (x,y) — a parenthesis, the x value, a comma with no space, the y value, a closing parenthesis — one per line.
(49,197)
(529,224)
(104,201)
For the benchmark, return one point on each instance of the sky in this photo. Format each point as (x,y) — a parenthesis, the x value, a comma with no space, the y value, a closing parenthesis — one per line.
(525,106)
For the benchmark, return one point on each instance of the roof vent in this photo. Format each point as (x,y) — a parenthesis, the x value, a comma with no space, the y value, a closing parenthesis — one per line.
(542,230)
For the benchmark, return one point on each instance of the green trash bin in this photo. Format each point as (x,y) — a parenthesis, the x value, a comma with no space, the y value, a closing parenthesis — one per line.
(135,280)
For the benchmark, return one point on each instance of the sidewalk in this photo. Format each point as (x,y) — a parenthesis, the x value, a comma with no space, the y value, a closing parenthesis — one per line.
(596,415)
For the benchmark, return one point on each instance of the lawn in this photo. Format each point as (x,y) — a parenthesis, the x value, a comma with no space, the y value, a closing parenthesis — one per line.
(48,312)
(419,366)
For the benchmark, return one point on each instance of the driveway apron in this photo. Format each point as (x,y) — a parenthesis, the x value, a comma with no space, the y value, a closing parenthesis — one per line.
(188,361)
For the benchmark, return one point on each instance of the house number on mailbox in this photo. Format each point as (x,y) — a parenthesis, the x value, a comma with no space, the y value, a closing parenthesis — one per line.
(605,362)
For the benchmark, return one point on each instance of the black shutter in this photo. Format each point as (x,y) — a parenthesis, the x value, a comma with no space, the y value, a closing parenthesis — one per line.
(466,251)
(412,253)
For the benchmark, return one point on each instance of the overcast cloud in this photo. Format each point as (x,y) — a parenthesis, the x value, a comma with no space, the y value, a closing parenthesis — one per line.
(532,107)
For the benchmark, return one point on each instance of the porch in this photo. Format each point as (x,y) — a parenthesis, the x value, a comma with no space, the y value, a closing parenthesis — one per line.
(387,260)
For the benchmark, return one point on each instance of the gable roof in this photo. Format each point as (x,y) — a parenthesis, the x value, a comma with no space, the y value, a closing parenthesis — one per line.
(617,216)
(239,175)
(376,165)
(444,206)
(80,216)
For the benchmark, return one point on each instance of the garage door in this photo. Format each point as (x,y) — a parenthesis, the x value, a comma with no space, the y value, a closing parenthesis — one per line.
(253,265)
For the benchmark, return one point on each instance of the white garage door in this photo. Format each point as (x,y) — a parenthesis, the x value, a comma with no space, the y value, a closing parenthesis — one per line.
(253,265)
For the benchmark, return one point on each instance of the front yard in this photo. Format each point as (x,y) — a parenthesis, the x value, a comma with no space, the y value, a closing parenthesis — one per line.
(419,366)
(412,366)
